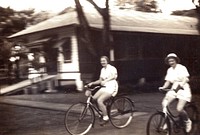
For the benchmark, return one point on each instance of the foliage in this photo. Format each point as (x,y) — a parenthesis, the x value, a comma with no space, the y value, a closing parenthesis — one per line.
(67,10)
(38,17)
(5,50)
(12,21)
(140,5)
(147,6)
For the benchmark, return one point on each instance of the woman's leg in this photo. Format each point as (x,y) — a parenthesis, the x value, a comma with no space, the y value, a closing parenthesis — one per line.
(182,95)
(183,114)
(100,97)
(180,109)
(103,97)
(170,96)
(97,94)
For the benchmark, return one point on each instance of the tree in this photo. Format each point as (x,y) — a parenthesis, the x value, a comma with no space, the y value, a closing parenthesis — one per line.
(12,21)
(106,36)
(198,13)
(85,28)
(124,2)
(38,17)
(142,5)
(148,5)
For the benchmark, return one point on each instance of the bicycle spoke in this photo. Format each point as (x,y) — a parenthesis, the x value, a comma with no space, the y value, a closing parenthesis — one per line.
(79,119)
(121,112)
(158,125)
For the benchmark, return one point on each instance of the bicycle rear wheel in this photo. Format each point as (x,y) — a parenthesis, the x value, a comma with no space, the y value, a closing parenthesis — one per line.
(79,119)
(158,124)
(121,112)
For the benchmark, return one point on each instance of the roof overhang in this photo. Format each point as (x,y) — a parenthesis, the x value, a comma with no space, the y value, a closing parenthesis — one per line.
(132,21)
(37,43)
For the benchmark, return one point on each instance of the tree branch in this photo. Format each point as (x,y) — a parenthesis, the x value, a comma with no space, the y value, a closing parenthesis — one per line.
(100,10)
(86,37)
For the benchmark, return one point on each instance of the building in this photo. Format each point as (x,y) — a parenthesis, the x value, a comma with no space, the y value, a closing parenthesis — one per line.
(141,41)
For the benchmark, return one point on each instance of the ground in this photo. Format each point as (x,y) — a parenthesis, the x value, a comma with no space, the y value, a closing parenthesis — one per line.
(26,120)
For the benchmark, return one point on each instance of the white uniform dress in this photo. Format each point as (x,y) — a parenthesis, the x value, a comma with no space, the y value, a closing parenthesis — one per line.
(112,85)
(176,76)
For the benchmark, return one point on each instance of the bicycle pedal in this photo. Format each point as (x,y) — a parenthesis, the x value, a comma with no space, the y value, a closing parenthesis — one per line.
(103,122)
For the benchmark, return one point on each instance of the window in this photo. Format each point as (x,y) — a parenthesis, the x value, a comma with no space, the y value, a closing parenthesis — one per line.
(127,47)
(67,50)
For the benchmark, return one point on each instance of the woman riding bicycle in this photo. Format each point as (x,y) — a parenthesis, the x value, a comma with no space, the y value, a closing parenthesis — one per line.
(178,76)
(107,78)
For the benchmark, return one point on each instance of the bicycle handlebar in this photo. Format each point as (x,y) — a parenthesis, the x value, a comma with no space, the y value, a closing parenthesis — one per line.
(164,90)
(93,88)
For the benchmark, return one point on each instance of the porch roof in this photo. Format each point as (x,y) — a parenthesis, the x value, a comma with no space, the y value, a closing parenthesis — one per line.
(122,20)
(37,42)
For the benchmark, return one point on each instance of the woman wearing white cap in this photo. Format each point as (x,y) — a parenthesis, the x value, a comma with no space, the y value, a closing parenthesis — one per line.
(178,76)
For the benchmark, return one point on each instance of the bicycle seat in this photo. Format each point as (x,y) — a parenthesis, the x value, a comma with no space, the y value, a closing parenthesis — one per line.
(93,89)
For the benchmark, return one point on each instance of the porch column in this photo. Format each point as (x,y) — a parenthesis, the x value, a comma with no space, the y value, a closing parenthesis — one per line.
(75,61)
(60,59)
(112,54)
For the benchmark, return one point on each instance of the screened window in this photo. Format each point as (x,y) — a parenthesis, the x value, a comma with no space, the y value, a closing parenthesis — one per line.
(67,50)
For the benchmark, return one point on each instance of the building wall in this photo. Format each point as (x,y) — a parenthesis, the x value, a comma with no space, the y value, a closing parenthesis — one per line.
(136,55)
(69,70)
(139,55)
(89,63)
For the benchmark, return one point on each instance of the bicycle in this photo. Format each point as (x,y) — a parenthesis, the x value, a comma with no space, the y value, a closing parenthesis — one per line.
(162,123)
(80,117)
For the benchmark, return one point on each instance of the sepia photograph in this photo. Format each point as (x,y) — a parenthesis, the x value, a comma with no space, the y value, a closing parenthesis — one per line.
(100,67)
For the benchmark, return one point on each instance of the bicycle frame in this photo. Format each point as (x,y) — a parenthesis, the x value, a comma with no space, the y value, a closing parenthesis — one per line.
(170,115)
(172,118)
(94,108)
(89,110)
(167,121)
(108,103)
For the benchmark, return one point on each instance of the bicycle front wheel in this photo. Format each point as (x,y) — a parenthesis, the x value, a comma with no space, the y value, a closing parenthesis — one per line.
(121,112)
(158,124)
(79,119)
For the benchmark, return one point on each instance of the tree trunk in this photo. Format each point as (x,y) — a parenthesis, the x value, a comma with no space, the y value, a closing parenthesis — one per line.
(106,30)
(106,35)
(85,29)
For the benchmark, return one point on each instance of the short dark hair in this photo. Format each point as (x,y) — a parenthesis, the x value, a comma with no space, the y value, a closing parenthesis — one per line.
(105,57)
